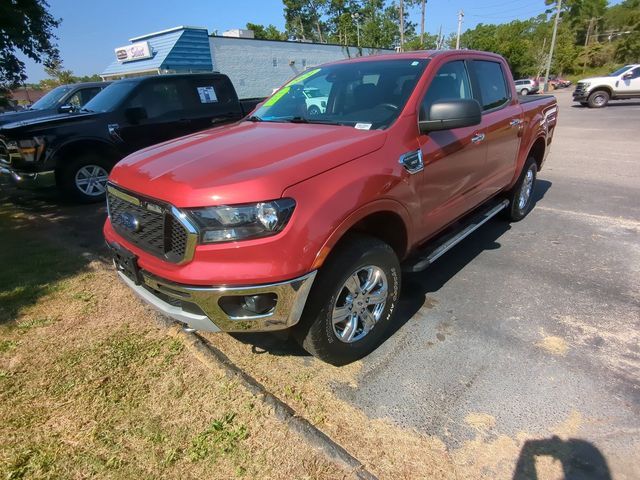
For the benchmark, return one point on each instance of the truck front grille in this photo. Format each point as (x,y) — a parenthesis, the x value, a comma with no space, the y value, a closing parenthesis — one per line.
(150,225)
(580,89)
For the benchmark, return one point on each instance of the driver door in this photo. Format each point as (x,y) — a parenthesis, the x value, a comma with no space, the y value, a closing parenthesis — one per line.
(629,85)
(453,159)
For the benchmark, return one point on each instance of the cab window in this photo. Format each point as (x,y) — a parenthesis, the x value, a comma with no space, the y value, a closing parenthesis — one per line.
(451,82)
(492,84)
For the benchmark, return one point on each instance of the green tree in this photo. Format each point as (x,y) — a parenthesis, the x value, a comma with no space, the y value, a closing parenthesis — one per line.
(25,26)
(270,32)
(303,19)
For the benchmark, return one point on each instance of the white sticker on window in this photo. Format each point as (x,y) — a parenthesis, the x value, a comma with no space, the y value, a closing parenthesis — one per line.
(414,63)
(207,95)
(363,126)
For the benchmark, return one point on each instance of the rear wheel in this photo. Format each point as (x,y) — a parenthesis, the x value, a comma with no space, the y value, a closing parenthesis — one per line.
(524,91)
(84,179)
(598,99)
(521,195)
(352,301)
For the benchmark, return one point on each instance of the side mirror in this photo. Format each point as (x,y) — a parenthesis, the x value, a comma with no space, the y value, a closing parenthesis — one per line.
(448,114)
(135,114)
(66,109)
(627,76)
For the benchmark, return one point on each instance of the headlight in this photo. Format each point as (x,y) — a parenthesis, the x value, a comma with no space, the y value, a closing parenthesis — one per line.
(30,150)
(585,84)
(227,223)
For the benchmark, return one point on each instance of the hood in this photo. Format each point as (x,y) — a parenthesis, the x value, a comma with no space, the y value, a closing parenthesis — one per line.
(44,122)
(597,79)
(12,117)
(244,162)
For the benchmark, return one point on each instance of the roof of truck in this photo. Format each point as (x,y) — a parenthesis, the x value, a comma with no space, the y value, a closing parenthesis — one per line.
(418,54)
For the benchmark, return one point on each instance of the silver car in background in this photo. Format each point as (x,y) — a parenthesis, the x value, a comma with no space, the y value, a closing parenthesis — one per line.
(526,86)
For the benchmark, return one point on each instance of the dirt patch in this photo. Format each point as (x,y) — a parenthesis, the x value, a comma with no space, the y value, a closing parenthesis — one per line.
(554,345)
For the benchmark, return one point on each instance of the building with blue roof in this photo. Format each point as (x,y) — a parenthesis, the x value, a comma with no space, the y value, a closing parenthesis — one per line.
(255,66)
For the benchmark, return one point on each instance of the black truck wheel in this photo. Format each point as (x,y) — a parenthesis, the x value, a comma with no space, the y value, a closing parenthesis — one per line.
(352,301)
(84,179)
(521,195)
(598,99)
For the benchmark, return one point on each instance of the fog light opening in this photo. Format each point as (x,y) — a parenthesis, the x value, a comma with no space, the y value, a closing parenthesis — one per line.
(242,306)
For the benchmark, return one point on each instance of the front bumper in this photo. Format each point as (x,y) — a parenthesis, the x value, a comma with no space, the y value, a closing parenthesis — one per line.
(580,94)
(199,307)
(27,179)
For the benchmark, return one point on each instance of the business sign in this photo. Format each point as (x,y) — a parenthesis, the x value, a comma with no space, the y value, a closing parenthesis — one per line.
(135,51)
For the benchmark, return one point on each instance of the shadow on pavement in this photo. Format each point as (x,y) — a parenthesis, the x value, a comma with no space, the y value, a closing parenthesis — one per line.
(579,458)
(614,104)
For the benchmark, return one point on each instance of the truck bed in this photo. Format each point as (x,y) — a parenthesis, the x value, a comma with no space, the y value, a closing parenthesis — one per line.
(533,98)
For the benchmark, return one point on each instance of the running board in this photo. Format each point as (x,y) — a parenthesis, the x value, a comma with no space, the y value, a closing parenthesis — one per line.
(447,242)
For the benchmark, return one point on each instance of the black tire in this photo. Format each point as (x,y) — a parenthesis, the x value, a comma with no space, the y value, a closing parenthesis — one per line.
(313,110)
(71,174)
(524,91)
(316,331)
(598,99)
(517,210)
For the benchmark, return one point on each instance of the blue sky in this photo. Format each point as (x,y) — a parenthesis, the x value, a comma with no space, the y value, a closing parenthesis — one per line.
(90,30)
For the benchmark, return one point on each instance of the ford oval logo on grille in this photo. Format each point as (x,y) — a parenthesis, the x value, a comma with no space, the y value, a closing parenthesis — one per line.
(129,221)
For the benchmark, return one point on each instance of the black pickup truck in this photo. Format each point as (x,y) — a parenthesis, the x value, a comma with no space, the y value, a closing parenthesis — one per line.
(62,99)
(76,151)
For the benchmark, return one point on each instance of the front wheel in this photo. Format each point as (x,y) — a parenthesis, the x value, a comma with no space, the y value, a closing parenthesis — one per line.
(84,179)
(524,91)
(352,301)
(521,195)
(598,99)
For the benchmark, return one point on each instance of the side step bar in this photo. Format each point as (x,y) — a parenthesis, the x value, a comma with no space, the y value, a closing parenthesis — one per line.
(447,242)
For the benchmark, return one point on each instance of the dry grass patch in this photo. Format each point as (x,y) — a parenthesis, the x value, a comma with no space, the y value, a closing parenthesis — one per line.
(91,386)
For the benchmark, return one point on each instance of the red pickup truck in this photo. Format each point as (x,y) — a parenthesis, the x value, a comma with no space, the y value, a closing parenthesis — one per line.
(298,218)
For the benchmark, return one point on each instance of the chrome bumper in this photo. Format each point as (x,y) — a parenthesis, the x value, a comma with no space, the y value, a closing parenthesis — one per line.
(39,179)
(291,298)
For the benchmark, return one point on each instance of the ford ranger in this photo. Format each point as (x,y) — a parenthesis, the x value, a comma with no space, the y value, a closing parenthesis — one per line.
(287,220)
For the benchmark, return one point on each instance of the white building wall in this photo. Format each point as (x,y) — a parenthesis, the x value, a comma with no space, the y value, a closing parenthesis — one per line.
(256,67)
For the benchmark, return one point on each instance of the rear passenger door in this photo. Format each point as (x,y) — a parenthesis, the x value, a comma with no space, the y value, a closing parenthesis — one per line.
(501,124)
(213,101)
(453,159)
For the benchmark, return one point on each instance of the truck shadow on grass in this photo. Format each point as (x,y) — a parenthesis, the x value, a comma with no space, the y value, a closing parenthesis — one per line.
(579,459)
(33,264)
(415,286)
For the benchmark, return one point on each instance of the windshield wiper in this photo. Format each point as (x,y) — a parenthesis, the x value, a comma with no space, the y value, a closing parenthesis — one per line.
(254,118)
(86,110)
(299,119)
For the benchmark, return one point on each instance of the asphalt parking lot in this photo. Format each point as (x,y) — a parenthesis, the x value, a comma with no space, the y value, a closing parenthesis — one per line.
(533,326)
(524,339)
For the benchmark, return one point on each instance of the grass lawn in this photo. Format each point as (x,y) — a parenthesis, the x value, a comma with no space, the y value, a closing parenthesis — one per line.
(92,386)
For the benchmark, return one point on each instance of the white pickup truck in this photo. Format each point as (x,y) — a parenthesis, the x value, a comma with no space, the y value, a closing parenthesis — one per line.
(622,84)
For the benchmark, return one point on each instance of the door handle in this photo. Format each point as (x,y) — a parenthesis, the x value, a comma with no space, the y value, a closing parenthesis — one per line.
(477,138)
(516,122)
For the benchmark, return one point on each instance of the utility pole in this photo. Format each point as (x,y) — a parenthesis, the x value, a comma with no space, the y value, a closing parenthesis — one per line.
(439,40)
(460,17)
(401,7)
(553,46)
(424,3)
(586,43)
(356,18)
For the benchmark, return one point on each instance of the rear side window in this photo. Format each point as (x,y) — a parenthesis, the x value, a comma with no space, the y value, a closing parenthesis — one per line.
(450,83)
(211,91)
(492,84)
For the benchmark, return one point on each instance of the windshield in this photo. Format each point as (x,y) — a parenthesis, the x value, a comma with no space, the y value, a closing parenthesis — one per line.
(366,95)
(51,99)
(620,71)
(111,97)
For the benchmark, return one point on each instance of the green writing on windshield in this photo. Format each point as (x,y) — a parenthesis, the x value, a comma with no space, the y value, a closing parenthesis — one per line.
(284,90)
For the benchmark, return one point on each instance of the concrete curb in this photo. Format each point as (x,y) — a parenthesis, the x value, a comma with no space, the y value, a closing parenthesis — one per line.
(334,452)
